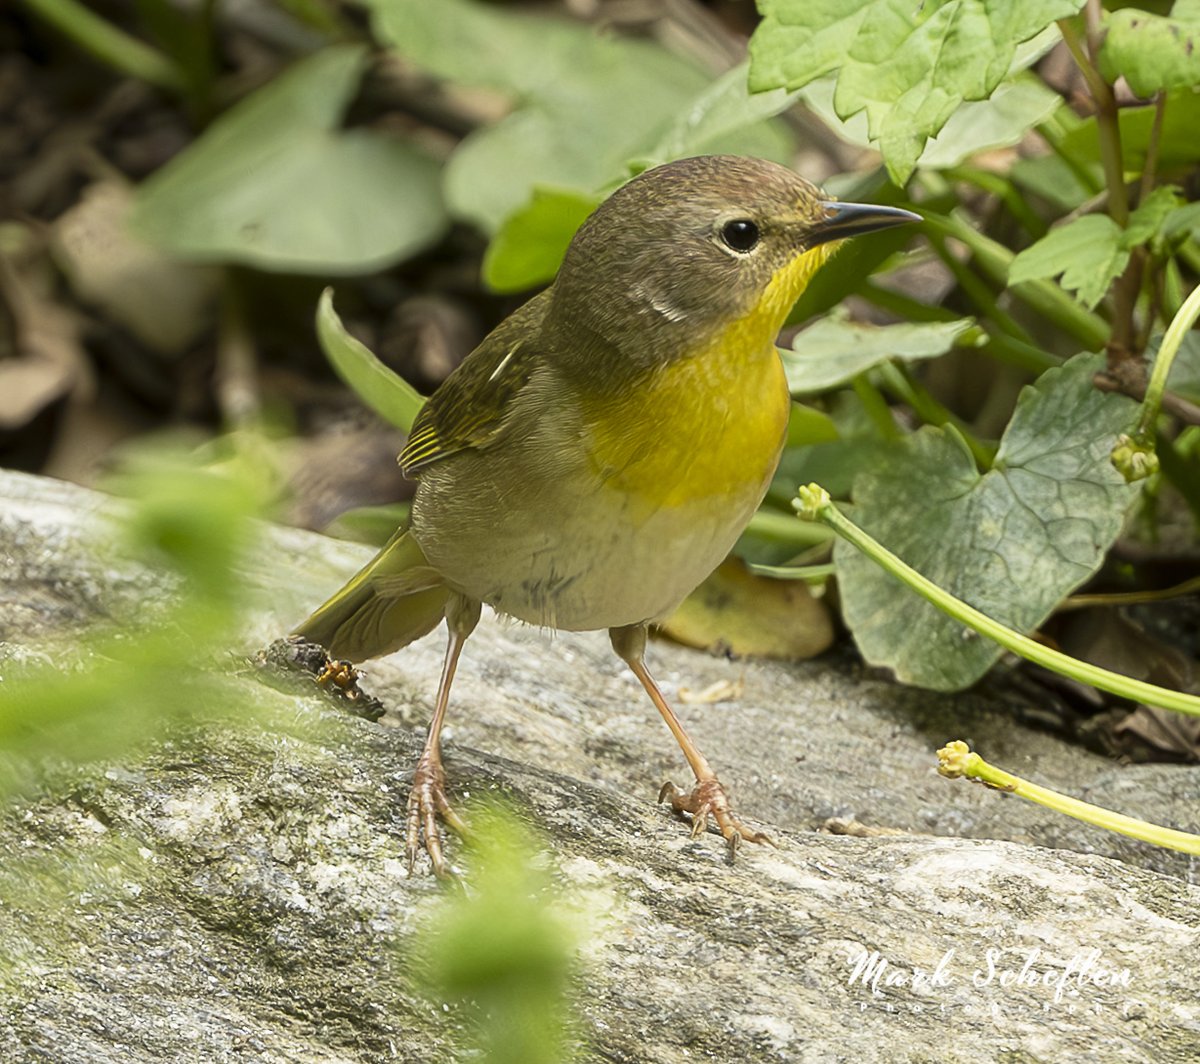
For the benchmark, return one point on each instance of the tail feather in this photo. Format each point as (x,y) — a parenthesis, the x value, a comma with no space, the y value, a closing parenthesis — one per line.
(395,598)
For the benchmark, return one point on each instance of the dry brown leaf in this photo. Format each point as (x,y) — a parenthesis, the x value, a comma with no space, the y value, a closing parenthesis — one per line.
(164,303)
(736,612)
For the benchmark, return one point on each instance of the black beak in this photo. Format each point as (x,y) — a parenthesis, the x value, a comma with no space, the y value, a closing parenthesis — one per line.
(844,220)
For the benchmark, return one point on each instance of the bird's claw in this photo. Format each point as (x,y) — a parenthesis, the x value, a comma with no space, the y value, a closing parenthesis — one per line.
(707,798)
(427,802)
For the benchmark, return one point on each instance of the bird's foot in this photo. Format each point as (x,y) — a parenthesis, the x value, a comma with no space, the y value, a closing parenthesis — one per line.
(427,802)
(708,798)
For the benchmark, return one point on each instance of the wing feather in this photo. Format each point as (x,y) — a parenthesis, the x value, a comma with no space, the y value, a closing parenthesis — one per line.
(469,410)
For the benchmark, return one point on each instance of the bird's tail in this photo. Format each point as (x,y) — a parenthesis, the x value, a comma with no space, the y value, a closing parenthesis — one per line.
(395,598)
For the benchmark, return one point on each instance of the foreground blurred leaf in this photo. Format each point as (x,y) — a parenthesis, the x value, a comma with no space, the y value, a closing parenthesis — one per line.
(276,184)
(585,104)
(504,953)
(1153,52)
(907,67)
(833,352)
(1012,542)
(382,389)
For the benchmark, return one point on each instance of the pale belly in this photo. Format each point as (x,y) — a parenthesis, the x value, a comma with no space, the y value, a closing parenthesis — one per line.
(563,529)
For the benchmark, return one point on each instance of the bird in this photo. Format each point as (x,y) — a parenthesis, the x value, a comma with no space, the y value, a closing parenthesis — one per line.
(596,457)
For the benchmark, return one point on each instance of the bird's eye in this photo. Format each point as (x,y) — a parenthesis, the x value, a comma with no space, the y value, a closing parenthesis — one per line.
(741,234)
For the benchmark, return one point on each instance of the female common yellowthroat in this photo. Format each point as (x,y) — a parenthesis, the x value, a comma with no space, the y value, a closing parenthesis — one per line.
(596,457)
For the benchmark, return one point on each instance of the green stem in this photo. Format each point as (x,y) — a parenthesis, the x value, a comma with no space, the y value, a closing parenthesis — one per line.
(1005,191)
(785,529)
(1002,347)
(903,306)
(813,503)
(1107,127)
(899,380)
(955,759)
(1045,297)
(977,291)
(108,43)
(1176,331)
(876,407)
(810,574)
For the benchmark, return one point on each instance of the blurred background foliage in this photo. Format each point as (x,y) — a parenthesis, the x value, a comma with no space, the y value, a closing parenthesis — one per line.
(180,179)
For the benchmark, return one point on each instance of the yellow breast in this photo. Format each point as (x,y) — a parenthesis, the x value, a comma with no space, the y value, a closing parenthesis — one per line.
(709,426)
(696,430)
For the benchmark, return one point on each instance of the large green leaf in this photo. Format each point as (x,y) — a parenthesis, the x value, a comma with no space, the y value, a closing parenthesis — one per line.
(276,184)
(1013,542)
(831,353)
(1091,251)
(1013,109)
(1153,52)
(585,103)
(907,66)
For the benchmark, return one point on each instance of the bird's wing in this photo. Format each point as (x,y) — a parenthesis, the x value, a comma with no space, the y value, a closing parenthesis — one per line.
(468,410)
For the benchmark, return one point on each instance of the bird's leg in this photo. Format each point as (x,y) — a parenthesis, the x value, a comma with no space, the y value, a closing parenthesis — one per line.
(708,796)
(427,800)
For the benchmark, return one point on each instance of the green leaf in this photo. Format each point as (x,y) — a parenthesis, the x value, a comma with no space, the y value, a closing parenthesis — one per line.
(1147,221)
(831,353)
(531,243)
(726,116)
(908,67)
(1091,251)
(1153,52)
(1012,542)
(1013,109)
(384,391)
(997,122)
(1087,252)
(1050,177)
(275,184)
(585,103)
(1182,223)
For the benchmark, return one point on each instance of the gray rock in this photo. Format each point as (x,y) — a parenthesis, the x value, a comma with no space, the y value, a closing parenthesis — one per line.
(234,890)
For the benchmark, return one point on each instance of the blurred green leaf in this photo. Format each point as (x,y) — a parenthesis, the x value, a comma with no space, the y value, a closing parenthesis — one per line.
(504,952)
(275,184)
(1013,542)
(1153,52)
(585,104)
(382,389)
(531,243)
(832,352)
(907,68)
(727,117)
(369,524)
(113,689)
(1052,178)
(1178,145)
(807,425)
(1090,252)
